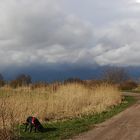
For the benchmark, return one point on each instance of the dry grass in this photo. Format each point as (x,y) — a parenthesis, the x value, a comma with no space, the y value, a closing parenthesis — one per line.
(68,101)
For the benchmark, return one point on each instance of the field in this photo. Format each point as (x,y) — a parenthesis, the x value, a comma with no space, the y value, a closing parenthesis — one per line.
(67,102)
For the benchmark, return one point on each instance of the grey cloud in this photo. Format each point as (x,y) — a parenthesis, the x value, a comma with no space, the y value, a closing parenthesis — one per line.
(123,42)
(41,32)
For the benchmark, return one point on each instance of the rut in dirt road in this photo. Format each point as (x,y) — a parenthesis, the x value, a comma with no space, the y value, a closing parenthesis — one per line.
(124,126)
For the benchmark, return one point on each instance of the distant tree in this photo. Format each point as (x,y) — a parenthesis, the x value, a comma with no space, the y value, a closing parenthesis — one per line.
(21,80)
(115,75)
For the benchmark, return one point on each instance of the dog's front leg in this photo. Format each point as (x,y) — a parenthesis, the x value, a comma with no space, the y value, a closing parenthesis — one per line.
(31,127)
(35,129)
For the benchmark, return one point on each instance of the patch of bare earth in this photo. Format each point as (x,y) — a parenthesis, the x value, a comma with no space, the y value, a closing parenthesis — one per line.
(124,126)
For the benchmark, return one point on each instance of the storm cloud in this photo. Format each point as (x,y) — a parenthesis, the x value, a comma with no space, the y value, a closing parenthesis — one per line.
(76,33)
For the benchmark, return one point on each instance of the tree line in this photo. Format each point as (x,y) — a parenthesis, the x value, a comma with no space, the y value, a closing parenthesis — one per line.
(112,75)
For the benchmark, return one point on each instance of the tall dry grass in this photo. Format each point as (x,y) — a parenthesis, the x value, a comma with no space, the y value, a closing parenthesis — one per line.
(8,123)
(68,101)
(74,100)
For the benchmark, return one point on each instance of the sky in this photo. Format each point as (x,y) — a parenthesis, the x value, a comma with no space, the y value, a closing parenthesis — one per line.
(64,35)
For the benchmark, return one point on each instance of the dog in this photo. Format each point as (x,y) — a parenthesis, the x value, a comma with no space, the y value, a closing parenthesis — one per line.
(33,122)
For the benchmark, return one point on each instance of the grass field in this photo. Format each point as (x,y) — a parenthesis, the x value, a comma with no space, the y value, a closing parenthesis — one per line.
(67,102)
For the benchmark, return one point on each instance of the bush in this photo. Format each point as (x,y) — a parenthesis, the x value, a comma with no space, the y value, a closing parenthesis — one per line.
(128,85)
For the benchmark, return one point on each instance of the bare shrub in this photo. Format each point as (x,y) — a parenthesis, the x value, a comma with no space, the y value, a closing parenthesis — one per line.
(128,85)
(115,75)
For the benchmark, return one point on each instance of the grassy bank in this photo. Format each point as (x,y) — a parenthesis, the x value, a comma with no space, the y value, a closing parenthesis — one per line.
(61,130)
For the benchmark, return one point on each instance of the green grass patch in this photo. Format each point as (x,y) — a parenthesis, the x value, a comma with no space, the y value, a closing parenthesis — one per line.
(66,129)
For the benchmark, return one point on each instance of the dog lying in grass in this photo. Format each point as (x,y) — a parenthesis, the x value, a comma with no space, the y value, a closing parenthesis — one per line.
(33,122)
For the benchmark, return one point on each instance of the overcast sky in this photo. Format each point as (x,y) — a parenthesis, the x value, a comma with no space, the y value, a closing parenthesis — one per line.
(71,32)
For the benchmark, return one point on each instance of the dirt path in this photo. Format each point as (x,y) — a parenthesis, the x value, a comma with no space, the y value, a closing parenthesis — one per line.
(124,126)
